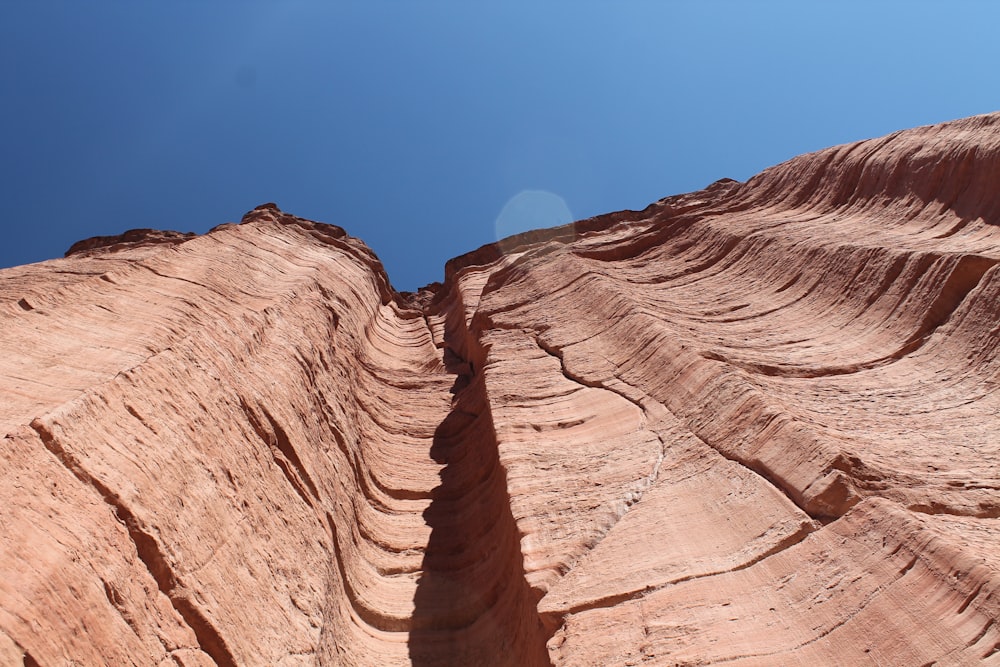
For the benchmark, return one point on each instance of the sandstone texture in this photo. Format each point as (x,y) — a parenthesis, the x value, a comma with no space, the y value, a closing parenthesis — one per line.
(751,425)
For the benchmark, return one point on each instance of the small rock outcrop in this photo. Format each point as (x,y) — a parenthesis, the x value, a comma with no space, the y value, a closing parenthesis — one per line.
(751,425)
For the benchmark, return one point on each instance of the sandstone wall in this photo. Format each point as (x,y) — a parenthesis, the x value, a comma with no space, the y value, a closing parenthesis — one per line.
(749,425)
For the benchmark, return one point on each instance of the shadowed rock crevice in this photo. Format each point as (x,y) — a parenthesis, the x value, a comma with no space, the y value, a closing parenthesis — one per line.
(473,604)
(149,552)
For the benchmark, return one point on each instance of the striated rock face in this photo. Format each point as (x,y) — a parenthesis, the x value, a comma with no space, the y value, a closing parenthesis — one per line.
(752,425)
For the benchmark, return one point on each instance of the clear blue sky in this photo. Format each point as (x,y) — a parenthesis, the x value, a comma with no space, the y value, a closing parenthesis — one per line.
(418,125)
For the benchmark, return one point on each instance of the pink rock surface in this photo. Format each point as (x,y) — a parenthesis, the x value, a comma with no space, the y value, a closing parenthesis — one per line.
(751,425)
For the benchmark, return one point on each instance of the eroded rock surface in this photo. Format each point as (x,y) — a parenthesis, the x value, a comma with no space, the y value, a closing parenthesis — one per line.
(751,425)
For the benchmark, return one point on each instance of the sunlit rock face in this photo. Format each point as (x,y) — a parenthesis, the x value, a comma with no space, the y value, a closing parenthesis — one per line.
(752,425)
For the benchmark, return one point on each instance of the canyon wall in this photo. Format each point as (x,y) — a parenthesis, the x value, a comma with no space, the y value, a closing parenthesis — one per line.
(751,425)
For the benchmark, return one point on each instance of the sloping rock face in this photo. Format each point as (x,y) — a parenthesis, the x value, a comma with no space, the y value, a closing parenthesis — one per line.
(752,425)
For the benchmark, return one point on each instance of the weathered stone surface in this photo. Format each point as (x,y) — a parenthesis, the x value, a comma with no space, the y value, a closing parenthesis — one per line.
(749,425)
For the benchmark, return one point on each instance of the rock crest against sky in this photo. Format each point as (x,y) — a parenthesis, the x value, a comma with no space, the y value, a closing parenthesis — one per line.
(430,128)
(753,424)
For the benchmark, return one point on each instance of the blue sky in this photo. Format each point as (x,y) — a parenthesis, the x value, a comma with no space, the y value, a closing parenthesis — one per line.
(428,128)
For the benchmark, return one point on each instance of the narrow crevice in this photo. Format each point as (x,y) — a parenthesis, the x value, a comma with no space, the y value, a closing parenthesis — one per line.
(284,445)
(282,452)
(473,603)
(148,550)
(209,639)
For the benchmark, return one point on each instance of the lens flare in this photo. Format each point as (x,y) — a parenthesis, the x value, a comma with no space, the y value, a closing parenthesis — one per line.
(531,209)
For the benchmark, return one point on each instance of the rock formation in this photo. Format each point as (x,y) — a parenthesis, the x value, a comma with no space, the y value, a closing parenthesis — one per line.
(751,425)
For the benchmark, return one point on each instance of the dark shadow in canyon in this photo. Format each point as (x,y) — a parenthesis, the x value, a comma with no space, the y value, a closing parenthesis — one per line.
(473,605)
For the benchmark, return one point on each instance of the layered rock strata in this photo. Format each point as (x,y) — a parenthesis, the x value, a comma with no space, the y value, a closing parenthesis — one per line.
(751,425)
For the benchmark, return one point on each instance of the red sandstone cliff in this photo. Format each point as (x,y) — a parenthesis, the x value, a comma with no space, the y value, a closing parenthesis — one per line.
(752,425)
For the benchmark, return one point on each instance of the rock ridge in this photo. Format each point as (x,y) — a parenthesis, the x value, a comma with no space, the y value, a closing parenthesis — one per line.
(750,424)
